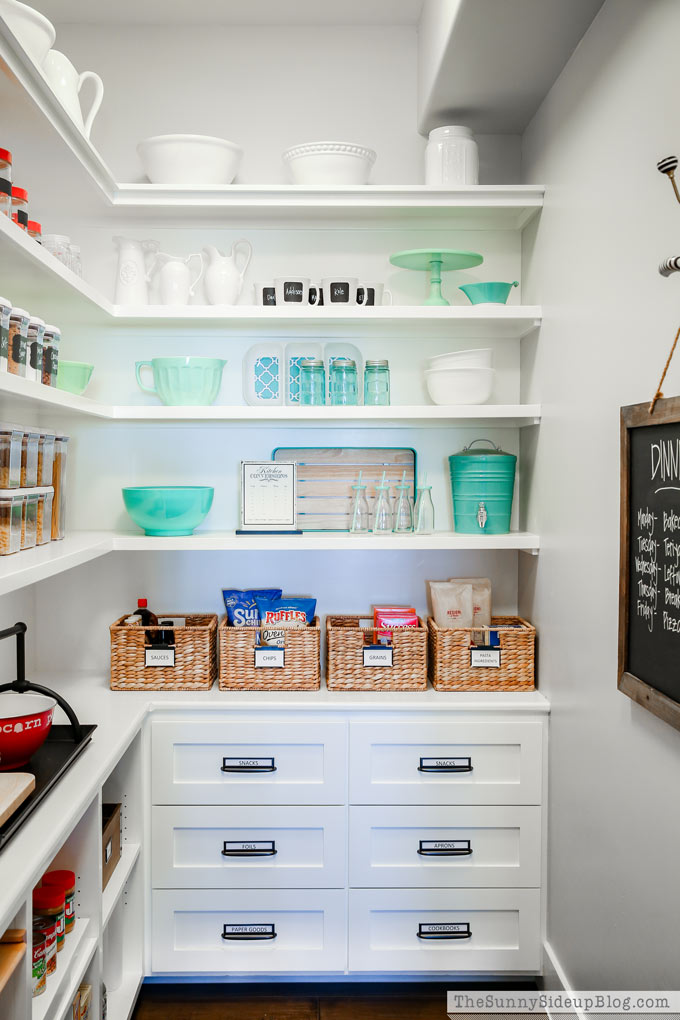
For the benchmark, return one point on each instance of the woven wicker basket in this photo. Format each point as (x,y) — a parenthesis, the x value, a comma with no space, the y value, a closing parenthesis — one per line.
(345,670)
(195,666)
(301,670)
(450,668)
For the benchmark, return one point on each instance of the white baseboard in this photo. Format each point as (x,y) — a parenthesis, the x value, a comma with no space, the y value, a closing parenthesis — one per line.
(556,980)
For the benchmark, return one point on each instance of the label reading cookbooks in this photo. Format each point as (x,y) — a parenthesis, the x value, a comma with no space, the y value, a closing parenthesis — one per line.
(159,656)
(378,655)
(488,658)
(248,931)
(443,928)
(269,657)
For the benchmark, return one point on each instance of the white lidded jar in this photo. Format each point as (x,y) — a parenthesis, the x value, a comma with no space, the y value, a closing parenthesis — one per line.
(451,156)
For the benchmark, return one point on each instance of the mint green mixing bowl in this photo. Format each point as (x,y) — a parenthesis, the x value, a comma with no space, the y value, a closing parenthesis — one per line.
(488,293)
(168,509)
(74,376)
(185,381)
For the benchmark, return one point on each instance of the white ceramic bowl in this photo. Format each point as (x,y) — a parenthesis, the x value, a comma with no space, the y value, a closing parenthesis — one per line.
(459,385)
(482,358)
(191,160)
(329,163)
(35,33)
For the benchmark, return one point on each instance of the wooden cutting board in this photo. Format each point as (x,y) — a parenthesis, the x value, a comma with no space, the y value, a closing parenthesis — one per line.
(15,787)
(325,476)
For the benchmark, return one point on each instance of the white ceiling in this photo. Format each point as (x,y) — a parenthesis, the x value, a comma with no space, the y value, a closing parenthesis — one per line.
(232,12)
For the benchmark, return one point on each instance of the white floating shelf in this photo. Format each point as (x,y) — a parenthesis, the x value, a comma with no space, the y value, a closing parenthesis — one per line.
(31,565)
(121,1000)
(20,394)
(116,884)
(74,960)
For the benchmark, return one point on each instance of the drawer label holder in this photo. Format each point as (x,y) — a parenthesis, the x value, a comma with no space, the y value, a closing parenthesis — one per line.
(444,930)
(378,655)
(445,765)
(248,932)
(244,764)
(444,848)
(485,658)
(269,657)
(249,848)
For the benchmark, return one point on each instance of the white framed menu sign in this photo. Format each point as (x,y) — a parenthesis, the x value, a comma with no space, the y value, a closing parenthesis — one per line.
(268,496)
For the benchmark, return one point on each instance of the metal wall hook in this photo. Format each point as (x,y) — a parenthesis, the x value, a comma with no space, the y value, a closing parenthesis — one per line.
(669,266)
(668,165)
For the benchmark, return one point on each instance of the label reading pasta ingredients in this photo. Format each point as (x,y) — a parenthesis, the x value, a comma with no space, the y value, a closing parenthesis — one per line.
(487,658)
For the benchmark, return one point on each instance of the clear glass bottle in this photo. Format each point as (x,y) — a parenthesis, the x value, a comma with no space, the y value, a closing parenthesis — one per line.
(5,197)
(382,514)
(423,523)
(377,383)
(403,509)
(312,382)
(343,382)
(75,259)
(359,517)
(20,206)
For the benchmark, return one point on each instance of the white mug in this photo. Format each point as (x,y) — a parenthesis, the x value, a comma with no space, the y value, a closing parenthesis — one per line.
(293,290)
(340,290)
(372,293)
(265,293)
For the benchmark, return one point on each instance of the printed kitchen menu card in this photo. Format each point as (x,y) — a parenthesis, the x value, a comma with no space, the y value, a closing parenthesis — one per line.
(268,496)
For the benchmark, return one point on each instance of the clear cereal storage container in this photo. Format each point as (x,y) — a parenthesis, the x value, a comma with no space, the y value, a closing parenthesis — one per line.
(29,519)
(11,511)
(44,518)
(5,312)
(29,458)
(10,455)
(59,484)
(45,456)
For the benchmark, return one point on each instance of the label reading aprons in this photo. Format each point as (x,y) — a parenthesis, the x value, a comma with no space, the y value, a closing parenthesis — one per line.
(444,846)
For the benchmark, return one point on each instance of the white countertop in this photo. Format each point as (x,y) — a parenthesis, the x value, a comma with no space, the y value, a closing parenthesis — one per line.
(119,716)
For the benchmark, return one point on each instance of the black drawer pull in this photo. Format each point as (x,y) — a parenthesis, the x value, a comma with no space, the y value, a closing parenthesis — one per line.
(248,932)
(445,848)
(248,765)
(248,848)
(444,931)
(445,765)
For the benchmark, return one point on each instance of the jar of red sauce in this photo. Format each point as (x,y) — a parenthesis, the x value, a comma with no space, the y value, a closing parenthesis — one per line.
(47,926)
(50,902)
(66,882)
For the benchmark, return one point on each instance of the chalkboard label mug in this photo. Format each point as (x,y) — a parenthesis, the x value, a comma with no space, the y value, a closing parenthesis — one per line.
(292,290)
(340,290)
(265,293)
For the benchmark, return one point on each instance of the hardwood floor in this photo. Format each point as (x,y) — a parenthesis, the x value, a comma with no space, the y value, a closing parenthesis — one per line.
(302,1002)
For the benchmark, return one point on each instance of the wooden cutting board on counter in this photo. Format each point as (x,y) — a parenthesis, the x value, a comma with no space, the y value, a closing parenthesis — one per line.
(325,476)
(15,787)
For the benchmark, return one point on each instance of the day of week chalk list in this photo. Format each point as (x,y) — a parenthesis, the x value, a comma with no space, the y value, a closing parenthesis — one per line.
(656,568)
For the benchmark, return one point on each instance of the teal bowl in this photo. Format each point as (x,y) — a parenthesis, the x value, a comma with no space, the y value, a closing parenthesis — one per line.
(74,376)
(183,381)
(488,293)
(168,509)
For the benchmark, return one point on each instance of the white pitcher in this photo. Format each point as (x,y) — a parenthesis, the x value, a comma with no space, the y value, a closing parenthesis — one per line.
(174,277)
(223,278)
(66,84)
(132,277)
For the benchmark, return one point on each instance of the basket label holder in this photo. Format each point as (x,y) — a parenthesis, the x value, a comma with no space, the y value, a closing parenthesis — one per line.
(485,658)
(269,657)
(159,655)
(378,655)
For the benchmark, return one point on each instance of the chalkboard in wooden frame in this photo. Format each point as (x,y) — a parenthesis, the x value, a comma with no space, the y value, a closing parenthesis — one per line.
(649,580)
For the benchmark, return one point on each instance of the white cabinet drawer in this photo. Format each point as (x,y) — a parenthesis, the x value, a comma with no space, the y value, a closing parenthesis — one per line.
(248,847)
(471,930)
(455,762)
(416,847)
(188,927)
(245,762)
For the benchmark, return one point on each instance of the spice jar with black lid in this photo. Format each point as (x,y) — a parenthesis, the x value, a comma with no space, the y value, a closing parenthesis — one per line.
(5,165)
(20,206)
(18,336)
(5,197)
(5,312)
(35,230)
(34,348)
(50,364)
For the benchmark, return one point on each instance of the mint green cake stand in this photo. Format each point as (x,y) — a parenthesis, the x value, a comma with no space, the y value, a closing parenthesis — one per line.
(435,262)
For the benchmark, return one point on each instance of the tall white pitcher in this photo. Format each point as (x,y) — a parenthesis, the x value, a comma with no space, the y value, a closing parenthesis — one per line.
(66,84)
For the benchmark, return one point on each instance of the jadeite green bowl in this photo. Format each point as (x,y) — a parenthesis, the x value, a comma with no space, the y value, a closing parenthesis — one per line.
(488,293)
(168,509)
(74,376)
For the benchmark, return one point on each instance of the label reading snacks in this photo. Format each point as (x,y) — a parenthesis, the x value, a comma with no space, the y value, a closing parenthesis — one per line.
(269,657)
(445,764)
(248,764)
(462,928)
(445,845)
(159,656)
(489,658)
(248,931)
(378,655)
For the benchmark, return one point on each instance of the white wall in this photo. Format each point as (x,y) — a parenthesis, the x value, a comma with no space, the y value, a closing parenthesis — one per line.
(609,318)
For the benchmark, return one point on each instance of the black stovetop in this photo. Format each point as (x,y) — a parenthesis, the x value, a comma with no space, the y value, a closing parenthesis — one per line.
(48,765)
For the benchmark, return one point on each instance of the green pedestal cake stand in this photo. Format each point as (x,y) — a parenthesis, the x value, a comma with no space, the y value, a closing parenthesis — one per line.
(435,262)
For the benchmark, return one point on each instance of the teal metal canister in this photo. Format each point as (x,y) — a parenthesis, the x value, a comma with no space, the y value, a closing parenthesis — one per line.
(482,485)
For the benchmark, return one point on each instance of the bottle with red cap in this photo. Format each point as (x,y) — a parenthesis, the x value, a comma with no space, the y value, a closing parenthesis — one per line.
(5,182)
(20,206)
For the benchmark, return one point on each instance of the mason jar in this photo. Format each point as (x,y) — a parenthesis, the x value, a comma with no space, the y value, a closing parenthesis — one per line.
(377,383)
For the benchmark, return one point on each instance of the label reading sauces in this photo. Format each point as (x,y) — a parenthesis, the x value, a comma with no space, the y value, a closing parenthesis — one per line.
(159,656)
(489,658)
(269,657)
(378,655)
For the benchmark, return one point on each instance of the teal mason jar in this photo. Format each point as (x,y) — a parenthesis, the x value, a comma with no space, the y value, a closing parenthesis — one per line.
(343,382)
(482,486)
(377,383)
(312,382)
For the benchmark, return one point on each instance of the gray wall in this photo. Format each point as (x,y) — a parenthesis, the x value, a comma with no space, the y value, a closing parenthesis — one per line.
(609,218)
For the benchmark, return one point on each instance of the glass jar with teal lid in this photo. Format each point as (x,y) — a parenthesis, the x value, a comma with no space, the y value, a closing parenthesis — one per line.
(377,383)
(312,382)
(482,486)
(343,382)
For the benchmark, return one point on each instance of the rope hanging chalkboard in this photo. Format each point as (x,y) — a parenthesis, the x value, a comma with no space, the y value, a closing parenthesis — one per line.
(659,395)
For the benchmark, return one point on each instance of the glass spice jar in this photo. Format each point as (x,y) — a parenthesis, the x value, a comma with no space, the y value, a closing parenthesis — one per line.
(5,197)
(35,230)
(66,881)
(34,348)
(5,312)
(51,903)
(20,206)
(38,968)
(51,339)
(47,926)
(6,165)
(16,342)
(58,245)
